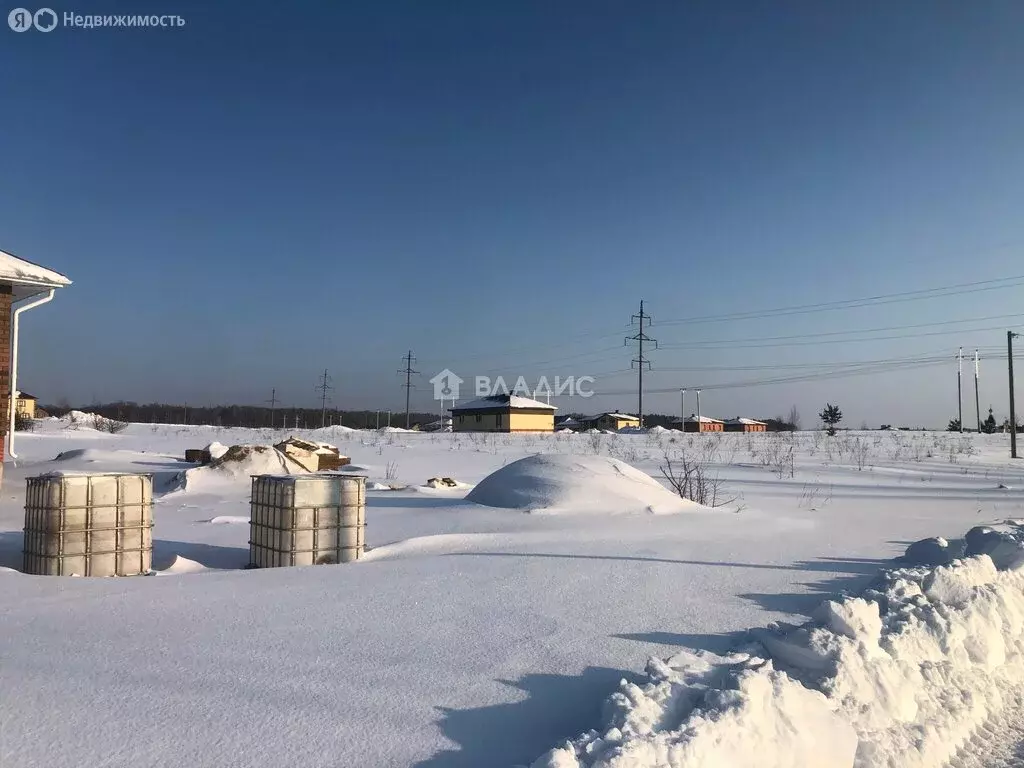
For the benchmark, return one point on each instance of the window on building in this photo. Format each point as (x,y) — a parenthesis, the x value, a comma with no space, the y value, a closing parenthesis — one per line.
(479,417)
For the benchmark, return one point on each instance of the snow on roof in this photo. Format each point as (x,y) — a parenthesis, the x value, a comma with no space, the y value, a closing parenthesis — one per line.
(610,414)
(33,277)
(692,419)
(26,396)
(741,420)
(498,402)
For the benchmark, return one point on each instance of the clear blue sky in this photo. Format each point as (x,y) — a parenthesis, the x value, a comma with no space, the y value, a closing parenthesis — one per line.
(278,188)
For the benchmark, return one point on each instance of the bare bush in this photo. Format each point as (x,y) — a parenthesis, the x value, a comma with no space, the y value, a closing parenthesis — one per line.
(113,426)
(689,478)
(861,452)
(391,472)
(814,496)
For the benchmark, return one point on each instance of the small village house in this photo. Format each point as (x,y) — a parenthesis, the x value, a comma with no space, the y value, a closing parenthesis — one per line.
(504,413)
(25,406)
(612,421)
(740,424)
(694,423)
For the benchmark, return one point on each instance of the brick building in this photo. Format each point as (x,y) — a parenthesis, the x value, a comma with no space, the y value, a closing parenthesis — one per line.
(23,285)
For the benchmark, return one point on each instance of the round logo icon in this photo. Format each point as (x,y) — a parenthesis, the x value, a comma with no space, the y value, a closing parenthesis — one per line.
(20,20)
(45,19)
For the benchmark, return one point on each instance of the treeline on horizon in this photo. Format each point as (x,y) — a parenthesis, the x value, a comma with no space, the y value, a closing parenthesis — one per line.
(259,417)
(252,416)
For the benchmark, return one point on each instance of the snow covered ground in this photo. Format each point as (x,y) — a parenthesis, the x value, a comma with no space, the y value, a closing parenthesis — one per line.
(476,635)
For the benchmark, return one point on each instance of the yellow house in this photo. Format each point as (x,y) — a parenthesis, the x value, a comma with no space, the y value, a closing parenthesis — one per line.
(610,421)
(26,407)
(504,413)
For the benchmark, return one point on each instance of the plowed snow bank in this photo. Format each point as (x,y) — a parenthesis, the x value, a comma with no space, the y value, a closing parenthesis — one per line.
(900,677)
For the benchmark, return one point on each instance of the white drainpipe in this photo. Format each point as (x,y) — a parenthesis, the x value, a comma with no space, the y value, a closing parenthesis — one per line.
(14,365)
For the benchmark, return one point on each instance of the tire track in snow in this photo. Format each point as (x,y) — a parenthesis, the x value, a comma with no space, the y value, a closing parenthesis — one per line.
(999,742)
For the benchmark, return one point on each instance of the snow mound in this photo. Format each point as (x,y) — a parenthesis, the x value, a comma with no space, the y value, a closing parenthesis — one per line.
(95,455)
(904,676)
(238,464)
(566,483)
(182,565)
(216,450)
(230,520)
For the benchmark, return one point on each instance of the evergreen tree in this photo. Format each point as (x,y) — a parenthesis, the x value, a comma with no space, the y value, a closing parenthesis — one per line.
(830,417)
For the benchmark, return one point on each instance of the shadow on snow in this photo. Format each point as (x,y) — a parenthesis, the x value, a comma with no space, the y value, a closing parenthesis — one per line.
(556,707)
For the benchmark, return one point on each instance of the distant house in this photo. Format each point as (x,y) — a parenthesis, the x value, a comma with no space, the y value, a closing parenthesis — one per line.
(740,424)
(613,421)
(26,405)
(693,423)
(504,413)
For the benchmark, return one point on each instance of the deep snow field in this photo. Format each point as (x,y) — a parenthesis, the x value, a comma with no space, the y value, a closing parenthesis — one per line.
(474,635)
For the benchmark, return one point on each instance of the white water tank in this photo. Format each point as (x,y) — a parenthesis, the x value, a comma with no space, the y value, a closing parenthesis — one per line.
(88,524)
(306,519)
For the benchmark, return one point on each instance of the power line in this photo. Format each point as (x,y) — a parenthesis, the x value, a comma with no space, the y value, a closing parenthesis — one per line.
(825,334)
(640,361)
(323,387)
(408,371)
(273,403)
(866,301)
(884,298)
(757,344)
(790,379)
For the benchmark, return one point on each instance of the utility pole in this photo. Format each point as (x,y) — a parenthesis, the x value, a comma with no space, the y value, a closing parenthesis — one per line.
(323,387)
(1013,411)
(273,402)
(408,371)
(959,389)
(682,410)
(389,418)
(700,424)
(378,419)
(977,406)
(641,320)
(186,413)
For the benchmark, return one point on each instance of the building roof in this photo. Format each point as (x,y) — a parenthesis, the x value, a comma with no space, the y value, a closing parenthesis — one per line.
(26,396)
(692,419)
(502,402)
(28,279)
(611,414)
(741,420)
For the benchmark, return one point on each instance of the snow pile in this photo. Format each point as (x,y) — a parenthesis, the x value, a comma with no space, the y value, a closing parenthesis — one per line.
(79,420)
(182,565)
(901,677)
(238,464)
(216,450)
(657,429)
(567,483)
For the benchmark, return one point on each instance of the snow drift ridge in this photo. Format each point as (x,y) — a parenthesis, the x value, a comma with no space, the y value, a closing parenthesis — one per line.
(902,676)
